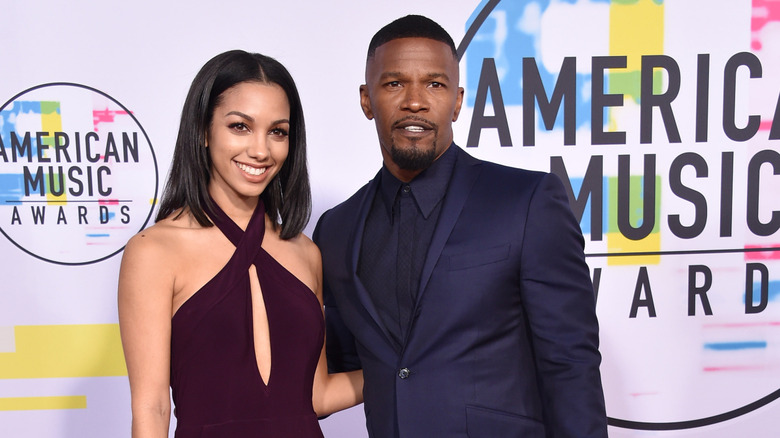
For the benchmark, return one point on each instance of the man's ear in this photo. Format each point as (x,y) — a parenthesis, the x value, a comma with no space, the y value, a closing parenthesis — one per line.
(458,103)
(365,102)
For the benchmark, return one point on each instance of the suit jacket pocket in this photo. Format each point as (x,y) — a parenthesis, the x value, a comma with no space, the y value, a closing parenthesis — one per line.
(478,257)
(489,423)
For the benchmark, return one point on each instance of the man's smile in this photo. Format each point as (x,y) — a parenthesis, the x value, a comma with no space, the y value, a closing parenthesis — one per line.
(414,125)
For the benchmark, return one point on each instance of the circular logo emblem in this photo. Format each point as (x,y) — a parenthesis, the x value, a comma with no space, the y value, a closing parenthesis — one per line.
(78,175)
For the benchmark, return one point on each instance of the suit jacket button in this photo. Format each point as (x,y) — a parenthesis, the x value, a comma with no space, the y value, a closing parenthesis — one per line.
(404,373)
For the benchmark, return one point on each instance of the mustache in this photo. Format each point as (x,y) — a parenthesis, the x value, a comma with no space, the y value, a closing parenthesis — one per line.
(412,118)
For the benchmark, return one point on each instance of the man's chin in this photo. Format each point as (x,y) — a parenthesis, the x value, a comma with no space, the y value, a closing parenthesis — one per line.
(413,161)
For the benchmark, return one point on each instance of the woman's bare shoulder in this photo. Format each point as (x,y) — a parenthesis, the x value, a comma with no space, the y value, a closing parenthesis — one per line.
(305,247)
(309,252)
(298,255)
(163,239)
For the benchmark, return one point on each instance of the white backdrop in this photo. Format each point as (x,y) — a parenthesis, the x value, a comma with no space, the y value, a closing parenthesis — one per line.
(61,370)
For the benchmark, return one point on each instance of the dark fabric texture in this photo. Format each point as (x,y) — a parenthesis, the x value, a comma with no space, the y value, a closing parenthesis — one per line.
(217,388)
(398,231)
(503,339)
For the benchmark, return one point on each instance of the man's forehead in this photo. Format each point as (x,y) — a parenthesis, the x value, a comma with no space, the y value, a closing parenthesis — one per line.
(406,44)
(413,51)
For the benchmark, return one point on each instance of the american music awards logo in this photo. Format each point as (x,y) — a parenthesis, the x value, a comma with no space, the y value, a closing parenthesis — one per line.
(664,125)
(78,175)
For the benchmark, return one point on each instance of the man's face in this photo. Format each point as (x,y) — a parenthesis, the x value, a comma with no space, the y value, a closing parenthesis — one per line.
(412,93)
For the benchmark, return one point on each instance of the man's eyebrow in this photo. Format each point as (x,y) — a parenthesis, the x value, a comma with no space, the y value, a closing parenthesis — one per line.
(390,74)
(438,76)
(396,74)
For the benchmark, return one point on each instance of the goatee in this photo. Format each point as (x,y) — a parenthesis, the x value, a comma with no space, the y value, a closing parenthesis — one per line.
(413,158)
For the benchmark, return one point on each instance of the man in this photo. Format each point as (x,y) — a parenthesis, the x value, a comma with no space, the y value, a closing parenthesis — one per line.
(459,286)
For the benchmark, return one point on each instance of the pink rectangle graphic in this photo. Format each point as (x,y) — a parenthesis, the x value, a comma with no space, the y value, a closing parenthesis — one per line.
(772,252)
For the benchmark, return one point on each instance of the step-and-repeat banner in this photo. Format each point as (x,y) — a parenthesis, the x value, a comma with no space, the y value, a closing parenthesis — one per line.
(662,117)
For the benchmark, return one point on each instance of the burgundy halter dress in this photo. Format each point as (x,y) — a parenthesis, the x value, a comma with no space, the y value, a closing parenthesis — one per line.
(217,388)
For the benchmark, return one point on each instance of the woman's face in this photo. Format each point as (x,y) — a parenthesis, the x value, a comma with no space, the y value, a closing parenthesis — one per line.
(248,140)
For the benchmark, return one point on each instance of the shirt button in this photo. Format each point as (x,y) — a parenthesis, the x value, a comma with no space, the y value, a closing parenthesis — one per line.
(407,188)
(404,373)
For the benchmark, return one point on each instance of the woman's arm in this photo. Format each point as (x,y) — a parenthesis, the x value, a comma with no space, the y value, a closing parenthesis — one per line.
(145,303)
(332,392)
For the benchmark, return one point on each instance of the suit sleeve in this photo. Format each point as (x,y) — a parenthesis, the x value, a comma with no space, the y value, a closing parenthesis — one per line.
(340,347)
(561,306)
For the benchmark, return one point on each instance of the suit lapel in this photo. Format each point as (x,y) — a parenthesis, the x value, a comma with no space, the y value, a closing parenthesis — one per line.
(464,175)
(355,242)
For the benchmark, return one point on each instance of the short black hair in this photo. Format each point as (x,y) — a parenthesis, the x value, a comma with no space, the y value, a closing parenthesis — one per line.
(411,26)
(288,196)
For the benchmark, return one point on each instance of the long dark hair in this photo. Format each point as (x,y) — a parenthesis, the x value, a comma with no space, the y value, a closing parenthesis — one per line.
(288,196)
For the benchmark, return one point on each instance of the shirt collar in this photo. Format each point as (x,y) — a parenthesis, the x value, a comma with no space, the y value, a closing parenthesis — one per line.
(428,188)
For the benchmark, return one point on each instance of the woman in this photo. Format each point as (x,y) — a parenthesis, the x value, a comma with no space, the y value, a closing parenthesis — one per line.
(221,298)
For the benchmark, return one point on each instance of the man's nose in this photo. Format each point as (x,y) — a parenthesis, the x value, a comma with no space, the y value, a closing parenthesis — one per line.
(415,98)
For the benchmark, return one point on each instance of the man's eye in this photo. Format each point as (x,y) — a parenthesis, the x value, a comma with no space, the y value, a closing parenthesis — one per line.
(394,84)
(436,84)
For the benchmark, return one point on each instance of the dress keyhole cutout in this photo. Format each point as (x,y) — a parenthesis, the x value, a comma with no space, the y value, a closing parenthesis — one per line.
(261,332)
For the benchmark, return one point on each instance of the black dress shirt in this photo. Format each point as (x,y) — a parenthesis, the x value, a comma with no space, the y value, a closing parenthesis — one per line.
(389,266)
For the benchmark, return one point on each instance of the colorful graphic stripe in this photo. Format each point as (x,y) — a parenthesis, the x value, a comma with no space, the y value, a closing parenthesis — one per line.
(730,346)
(616,242)
(43,403)
(84,350)
(636,28)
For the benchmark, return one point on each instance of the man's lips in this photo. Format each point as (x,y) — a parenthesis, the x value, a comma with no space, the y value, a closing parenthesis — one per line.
(414,126)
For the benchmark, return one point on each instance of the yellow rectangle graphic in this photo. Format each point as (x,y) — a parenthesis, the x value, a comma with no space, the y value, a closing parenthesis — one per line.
(635,29)
(619,244)
(41,403)
(79,350)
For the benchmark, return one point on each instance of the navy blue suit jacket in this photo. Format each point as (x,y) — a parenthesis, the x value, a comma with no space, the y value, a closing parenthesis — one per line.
(504,336)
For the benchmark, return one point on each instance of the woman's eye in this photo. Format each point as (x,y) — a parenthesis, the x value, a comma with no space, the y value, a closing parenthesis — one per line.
(238,126)
(279,132)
